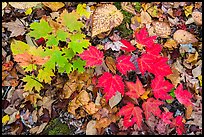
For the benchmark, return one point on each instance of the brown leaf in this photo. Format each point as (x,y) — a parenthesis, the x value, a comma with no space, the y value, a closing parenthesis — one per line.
(33,98)
(105,18)
(145,18)
(23,5)
(83,98)
(188,111)
(184,37)
(162,29)
(127,6)
(170,44)
(197,17)
(175,77)
(54,6)
(110,62)
(68,89)
(192,57)
(16,28)
(102,123)
(90,128)
(115,99)
(91,108)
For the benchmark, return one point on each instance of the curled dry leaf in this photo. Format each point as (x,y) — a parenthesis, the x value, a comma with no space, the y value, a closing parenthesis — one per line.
(170,44)
(54,6)
(192,57)
(105,18)
(197,17)
(162,29)
(184,37)
(90,128)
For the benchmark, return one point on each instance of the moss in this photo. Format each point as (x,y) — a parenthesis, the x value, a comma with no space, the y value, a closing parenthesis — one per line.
(127,19)
(55,127)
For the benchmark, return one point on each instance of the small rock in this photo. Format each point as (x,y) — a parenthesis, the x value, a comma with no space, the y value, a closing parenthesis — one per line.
(197,17)
(184,37)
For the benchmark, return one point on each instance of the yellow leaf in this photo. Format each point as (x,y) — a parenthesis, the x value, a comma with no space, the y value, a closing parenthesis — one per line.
(54,6)
(170,44)
(28,11)
(5,119)
(192,58)
(188,10)
(200,79)
(145,95)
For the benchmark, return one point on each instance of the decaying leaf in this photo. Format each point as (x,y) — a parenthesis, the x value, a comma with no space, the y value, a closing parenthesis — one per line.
(17,28)
(197,71)
(127,6)
(69,88)
(115,99)
(90,128)
(54,6)
(23,5)
(188,111)
(197,17)
(91,108)
(105,18)
(184,37)
(162,29)
(145,17)
(170,44)
(175,77)
(110,62)
(192,57)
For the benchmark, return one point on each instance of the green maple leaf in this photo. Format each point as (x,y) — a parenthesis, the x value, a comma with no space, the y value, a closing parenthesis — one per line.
(78,45)
(62,35)
(45,75)
(71,21)
(31,83)
(30,67)
(52,41)
(19,47)
(77,36)
(79,65)
(40,29)
(68,53)
(81,10)
(67,67)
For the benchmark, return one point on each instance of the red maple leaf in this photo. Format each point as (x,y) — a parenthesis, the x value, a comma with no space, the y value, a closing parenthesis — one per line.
(111,84)
(161,87)
(154,50)
(152,106)
(145,63)
(177,122)
(183,96)
(160,67)
(143,38)
(131,115)
(135,89)
(124,64)
(166,117)
(129,47)
(93,56)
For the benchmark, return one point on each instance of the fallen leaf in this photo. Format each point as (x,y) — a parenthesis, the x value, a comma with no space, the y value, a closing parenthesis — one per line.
(13,117)
(188,10)
(170,44)
(10,110)
(41,127)
(115,46)
(127,6)
(24,5)
(90,128)
(145,94)
(91,108)
(82,98)
(115,99)
(192,57)
(54,6)
(17,28)
(184,37)
(105,18)
(68,89)
(188,111)
(197,17)
(162,29)
(4,4)
(145,18)
(110,62)
(5,119)
(174,77)
(197,71)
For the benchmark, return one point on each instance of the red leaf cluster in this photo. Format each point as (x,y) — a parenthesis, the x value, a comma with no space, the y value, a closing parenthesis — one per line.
(129,47)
